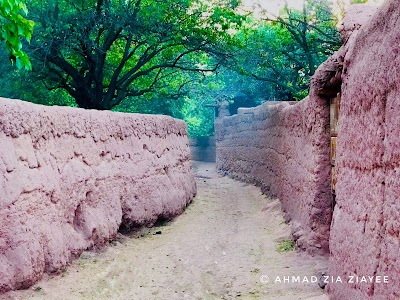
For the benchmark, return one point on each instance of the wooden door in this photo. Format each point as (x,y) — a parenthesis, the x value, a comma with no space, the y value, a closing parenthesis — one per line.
(334,118)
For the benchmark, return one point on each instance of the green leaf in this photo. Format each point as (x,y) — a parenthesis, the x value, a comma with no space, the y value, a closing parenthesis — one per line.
(13,29)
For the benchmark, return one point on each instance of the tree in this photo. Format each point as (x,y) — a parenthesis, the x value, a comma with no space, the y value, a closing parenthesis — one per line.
(157,56)
(103,51)
(14,27)
(287,49)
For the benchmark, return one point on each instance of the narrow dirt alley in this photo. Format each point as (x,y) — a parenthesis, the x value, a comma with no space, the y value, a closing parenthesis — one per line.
(218,249)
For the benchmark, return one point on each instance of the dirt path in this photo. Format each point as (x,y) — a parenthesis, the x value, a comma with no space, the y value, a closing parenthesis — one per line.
(218,249)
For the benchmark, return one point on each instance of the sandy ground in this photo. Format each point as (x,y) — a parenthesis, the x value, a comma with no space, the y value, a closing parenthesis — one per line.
(218,249)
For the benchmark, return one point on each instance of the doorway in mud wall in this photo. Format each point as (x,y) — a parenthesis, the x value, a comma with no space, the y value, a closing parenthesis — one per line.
(334,118)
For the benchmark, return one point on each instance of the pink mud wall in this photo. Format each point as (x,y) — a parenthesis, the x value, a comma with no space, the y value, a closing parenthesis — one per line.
(69,178)
(285,149)
(365,233)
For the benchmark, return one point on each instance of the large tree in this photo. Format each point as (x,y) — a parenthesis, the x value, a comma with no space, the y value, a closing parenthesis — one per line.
(102,51)
(285,50)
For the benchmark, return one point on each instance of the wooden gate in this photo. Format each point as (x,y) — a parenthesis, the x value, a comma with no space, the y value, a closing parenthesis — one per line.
(334,117)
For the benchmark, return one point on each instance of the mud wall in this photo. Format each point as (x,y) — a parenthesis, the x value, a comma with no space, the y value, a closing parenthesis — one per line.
(365,238)
(203,148)
(285,150)
(70,178)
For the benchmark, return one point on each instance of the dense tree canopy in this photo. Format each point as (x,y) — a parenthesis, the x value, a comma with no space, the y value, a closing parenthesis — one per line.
(285,50)
(169,57)
(103,51)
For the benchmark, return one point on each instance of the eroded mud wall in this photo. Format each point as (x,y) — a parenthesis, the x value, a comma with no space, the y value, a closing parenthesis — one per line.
(69,178)
(285,149)
(365,239)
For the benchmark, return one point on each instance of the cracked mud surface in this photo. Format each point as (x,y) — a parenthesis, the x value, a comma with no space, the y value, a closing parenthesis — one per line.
(218,249)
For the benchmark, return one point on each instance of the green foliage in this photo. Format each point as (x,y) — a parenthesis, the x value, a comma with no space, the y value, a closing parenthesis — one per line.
(285,51)
(19,84)
(14,27)
(191,107)
(285,246)
(103,52)
(358,1)
(199,118)
(167,57)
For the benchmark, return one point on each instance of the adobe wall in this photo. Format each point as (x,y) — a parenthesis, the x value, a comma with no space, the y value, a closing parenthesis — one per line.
(69,178)
(365,234)
(284,149)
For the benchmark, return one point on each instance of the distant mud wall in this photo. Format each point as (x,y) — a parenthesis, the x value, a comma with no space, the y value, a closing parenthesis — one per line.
(284,149)
(365,234)
(70,178)
(203,148)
